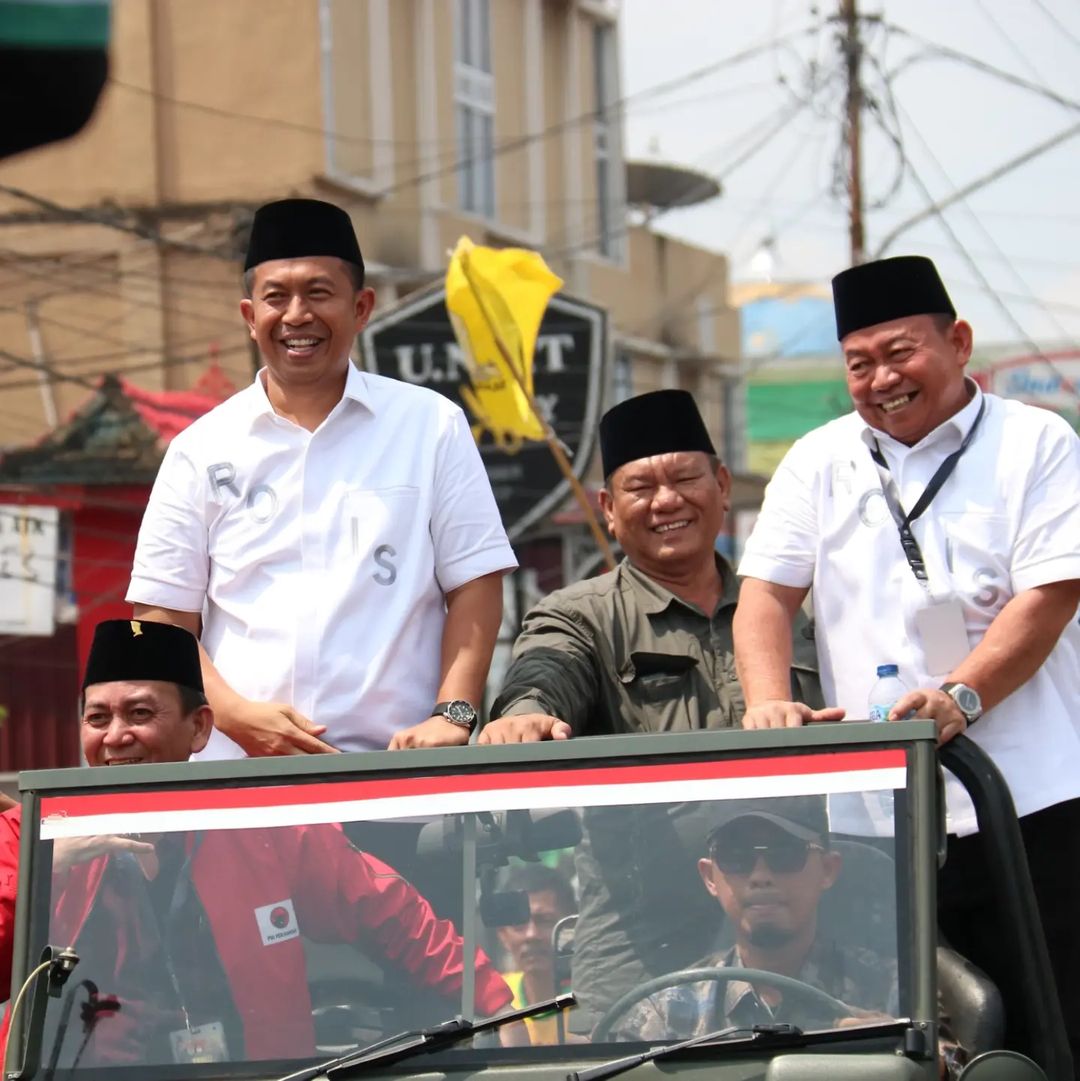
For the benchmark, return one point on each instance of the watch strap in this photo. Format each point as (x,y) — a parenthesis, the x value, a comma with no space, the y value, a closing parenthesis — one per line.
(951,687)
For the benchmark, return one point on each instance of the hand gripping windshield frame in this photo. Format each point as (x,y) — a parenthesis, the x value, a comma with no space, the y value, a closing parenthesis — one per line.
(921,835)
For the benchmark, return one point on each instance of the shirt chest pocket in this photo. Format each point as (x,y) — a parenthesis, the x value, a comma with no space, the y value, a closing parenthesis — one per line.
(975,548)
(379,526)
(657,677)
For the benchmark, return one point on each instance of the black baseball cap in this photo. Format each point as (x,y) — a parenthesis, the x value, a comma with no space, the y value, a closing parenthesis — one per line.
(804,817)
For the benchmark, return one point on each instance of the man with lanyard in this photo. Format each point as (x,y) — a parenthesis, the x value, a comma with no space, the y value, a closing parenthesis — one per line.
(938,527)
(197,936)
(644,648)
(330,535)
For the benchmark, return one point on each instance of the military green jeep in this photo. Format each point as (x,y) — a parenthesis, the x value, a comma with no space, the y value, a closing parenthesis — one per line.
(668,904)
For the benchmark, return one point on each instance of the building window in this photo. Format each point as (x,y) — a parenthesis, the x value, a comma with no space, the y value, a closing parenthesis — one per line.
(622,381)
(474,99)
(610,226)
(356,84)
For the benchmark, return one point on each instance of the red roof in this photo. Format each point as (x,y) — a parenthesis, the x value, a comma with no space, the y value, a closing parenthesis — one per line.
(167,412)
(106,436)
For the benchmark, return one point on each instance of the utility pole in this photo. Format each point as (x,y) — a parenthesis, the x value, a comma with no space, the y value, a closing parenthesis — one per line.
(852,49)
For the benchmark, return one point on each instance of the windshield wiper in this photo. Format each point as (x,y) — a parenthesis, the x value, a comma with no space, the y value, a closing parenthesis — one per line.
(423,1041)
(770,1035)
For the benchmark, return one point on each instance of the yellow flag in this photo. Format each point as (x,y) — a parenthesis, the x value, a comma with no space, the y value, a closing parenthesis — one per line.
(497,297)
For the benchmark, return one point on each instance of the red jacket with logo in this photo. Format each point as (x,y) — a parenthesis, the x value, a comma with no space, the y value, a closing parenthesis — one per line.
(338,894)
(9,882)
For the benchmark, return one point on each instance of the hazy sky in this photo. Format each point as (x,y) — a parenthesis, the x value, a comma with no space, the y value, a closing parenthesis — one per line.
(781,112)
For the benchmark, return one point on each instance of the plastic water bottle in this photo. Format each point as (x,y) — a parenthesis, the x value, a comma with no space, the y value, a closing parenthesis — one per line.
(886,692)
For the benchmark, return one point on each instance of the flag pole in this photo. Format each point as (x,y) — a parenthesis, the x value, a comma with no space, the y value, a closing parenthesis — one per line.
(550,437)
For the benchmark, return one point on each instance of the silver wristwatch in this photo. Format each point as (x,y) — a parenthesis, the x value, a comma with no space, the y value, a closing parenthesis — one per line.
(458,712)
(967,700)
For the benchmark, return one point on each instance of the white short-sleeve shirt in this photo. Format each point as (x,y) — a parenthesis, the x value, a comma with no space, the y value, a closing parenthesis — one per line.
(319,560)
(1007,520)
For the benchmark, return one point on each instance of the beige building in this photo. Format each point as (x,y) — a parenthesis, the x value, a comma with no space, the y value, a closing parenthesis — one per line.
(427,119)
(120,256)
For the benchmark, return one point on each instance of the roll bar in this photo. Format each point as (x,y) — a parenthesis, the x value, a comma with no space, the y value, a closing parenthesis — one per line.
(1006,859)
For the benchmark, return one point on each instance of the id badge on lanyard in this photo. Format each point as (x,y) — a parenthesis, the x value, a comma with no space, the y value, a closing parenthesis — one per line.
(193,1043)
(201,1043)
(939,623)
(942,634)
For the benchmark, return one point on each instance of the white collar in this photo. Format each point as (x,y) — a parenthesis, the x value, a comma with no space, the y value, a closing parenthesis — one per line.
(357,388)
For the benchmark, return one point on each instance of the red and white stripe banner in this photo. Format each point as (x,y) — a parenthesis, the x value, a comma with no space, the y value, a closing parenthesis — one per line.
(358,799)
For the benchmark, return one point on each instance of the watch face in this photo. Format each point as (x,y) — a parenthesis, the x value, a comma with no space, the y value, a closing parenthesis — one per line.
(968,701)
(460,712)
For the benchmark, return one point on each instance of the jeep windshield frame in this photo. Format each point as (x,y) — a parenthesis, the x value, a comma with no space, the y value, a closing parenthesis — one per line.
(75,803)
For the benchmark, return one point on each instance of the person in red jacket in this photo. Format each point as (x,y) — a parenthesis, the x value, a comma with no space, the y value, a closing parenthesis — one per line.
(9,880)
(198,934)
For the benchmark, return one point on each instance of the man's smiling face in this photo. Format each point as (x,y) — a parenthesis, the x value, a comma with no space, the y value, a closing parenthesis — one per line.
(666,511)
(130,723)
(906,376)
(304,315)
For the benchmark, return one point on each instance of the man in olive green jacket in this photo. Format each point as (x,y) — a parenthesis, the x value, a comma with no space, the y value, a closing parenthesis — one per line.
(644,648)
(647,647)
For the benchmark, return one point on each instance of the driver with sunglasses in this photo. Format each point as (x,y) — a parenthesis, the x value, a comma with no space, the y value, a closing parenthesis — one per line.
(769,862)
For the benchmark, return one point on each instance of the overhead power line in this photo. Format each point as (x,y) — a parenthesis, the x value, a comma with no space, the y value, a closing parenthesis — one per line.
(987,287)
(54,374)
(87,279)
(992,242)
(935,50)
(616,108)
(1056,22)
(977,184)
(276,122)
(782,118)
(664,315)
(1007,39)
(111,221)
(449,141)
(160,363)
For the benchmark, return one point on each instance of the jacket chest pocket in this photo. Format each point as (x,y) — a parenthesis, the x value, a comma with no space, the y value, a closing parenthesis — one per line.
(658,677)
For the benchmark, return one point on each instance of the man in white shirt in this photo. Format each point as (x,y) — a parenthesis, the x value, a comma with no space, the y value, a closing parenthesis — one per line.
(938,527)
(329,534)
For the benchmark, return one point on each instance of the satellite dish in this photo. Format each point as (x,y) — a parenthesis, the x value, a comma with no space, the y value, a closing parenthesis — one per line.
(663,186)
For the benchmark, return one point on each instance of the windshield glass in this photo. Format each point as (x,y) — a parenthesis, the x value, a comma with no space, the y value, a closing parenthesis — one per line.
(284,923)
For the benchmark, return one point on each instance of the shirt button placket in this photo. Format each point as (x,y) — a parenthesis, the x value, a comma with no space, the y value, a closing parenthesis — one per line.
(716,649)
(718,669)
(308,629)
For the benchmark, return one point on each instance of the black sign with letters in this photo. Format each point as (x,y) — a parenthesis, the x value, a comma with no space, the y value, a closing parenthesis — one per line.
(415,342)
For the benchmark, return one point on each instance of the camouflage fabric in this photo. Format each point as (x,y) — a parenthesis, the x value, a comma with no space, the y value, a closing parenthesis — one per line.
(859,978)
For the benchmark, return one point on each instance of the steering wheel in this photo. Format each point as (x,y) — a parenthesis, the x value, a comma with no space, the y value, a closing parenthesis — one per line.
(787,984)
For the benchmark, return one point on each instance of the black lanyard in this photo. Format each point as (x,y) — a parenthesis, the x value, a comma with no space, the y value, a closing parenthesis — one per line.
(182,891)
(912,551)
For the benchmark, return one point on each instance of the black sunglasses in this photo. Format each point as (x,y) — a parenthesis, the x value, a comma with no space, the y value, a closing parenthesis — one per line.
(784,857)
